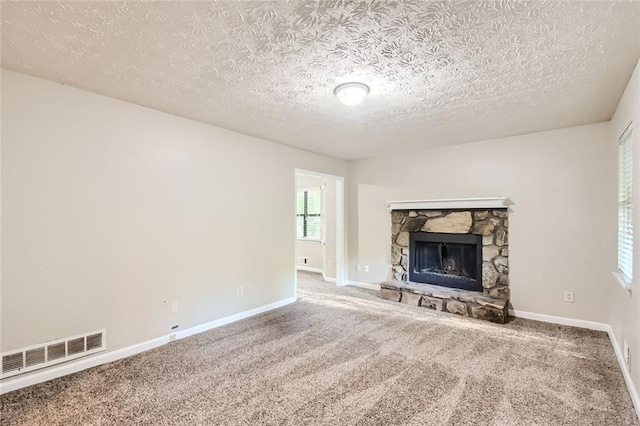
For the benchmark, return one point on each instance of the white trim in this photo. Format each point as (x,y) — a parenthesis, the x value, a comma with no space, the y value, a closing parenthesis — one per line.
(103,358)
(233,318)
(627,286)
(328,279)
(454,203)
(316,271)
(591,325)
(308,269)
(625,373)
(341,253)
(310,240)
(626,129)
(364,285)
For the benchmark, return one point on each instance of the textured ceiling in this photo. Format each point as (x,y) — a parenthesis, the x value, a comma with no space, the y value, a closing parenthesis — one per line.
(441,72)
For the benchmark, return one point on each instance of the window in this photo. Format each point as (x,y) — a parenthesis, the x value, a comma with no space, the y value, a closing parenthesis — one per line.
(308,217)
(625,206)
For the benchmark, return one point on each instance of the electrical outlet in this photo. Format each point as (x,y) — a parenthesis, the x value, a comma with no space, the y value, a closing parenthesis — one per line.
(302,260)
(358,267)
(366,268)
(626,351)
(331,264)
(172,337)
(240,291)
(174,306)
(568,296)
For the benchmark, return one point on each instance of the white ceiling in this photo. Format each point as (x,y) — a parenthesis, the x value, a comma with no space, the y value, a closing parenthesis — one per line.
(441,72)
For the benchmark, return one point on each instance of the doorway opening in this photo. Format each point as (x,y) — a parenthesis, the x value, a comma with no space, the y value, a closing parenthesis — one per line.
(319,222)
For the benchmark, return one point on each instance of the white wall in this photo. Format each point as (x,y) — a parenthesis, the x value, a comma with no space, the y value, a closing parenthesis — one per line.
(110,209)
(312,251)
(330,224)
(562,226)
(624,310)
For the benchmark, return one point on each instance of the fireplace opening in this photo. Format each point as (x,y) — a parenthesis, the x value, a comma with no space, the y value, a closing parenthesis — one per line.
(449,260)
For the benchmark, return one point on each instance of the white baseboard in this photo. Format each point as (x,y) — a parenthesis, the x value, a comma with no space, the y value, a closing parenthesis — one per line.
(328,279)
(18,382)
(591,325)
(625,373)
(317,271)
(364,285)
(309,269)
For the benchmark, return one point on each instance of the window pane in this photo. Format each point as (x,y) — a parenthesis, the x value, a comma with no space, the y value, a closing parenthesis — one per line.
(625,207)
(300,203)
(314,201)
(313,227)
(300,225)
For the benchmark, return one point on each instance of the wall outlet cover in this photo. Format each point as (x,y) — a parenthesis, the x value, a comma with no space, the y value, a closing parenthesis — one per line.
(626,351)
(568,296)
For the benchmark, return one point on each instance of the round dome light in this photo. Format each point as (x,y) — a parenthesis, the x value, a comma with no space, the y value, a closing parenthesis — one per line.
(351,93)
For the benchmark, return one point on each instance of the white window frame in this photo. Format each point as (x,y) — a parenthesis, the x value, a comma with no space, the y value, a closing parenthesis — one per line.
(315,188)
(625,258)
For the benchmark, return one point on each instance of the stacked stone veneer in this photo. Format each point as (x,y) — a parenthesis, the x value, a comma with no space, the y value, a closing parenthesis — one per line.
(493,225)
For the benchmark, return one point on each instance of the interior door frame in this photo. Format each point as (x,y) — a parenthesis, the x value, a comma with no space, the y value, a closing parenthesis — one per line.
(340,224)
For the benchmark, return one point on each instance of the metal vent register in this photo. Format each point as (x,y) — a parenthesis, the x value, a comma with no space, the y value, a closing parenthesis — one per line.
(50,353)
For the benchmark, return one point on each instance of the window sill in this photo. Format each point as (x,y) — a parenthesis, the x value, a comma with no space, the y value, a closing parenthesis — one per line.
(622,282)
(312,240)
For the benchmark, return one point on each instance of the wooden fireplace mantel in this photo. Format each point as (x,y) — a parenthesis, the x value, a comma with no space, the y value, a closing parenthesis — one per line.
(453,203)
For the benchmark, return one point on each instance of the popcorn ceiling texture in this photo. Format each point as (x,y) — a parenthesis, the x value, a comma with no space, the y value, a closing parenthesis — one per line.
(341,356)
(440,71)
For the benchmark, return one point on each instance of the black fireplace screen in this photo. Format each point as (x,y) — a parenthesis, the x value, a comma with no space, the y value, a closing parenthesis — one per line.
(449,260)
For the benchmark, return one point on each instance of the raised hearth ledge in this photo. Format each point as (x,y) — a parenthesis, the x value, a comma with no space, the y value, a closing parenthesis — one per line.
(453,203)
(462,302)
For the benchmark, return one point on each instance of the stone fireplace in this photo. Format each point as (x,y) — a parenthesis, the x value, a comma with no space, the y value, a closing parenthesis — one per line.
(451,259)
(448,260)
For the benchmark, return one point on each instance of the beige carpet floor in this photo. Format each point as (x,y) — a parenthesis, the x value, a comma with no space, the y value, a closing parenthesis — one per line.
(341,356)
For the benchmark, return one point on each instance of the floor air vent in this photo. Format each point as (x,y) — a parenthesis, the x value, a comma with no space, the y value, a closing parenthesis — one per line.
(50,353)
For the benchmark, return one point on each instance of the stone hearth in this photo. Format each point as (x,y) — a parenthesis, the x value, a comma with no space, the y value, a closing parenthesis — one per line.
(461,302)
(493,224)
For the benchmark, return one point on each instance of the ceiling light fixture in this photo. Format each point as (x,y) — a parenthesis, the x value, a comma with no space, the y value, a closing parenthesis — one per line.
(351,93)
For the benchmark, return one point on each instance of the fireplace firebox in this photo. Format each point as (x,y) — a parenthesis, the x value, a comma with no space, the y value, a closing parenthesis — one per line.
(449,260)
